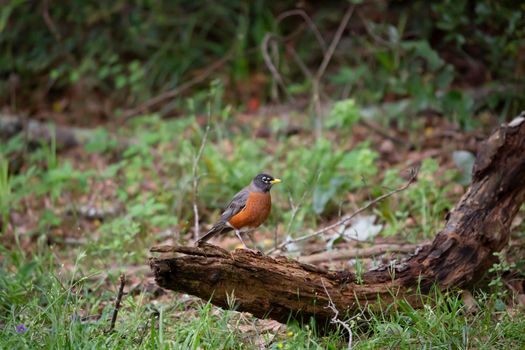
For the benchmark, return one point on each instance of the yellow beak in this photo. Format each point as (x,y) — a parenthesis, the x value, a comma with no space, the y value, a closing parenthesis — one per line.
(275,181)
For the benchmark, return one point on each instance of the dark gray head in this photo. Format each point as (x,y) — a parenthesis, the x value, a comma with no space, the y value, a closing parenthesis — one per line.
(264,182)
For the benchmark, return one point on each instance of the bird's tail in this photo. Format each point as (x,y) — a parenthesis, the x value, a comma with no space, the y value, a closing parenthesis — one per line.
(216,229)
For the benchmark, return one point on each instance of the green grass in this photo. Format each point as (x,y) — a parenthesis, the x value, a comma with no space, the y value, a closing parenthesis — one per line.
(71,310)
(443,323)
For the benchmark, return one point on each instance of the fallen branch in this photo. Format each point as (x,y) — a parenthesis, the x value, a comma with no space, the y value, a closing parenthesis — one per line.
(346,219)
(284,289)
(351,253)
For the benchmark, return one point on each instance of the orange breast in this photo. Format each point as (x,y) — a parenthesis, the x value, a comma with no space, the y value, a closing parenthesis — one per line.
(256,211)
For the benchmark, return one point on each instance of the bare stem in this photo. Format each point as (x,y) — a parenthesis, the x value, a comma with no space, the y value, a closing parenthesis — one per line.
(316,83)
(412,178)
(335,319)
(269,62)
(196,159)
(308,21)
(335,41)
(117,302)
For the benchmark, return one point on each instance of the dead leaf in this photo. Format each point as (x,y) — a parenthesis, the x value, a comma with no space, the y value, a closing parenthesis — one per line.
(469,301)
(362,228)
(521,299)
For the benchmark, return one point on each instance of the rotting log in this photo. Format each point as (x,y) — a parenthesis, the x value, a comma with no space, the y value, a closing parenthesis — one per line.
(281,288)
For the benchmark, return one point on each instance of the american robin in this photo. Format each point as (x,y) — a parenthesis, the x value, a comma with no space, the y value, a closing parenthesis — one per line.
(248,209)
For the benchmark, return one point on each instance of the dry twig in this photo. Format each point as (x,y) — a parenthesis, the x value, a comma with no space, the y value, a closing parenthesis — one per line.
(49,22)
(327,55)
(335,319)
(195,182)
(117,302)
(316,83)
(349,253)
(335,41)
(268,60)
(412,178)
(308,21)
(271,37)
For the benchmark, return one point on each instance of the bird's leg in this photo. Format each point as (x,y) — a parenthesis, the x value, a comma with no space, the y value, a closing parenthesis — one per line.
(255,251)
(238,233)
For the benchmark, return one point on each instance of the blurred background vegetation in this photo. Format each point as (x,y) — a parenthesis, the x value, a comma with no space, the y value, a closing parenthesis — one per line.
(337,98)
(91,59)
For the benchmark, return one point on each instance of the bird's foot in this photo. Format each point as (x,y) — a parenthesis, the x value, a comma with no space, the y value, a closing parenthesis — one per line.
(254,251)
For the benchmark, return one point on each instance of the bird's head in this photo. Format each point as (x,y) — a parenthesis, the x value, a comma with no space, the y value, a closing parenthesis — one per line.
(264,182)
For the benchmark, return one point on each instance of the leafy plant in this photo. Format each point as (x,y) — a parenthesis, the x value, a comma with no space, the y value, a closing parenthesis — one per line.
(343,114)
(499,268)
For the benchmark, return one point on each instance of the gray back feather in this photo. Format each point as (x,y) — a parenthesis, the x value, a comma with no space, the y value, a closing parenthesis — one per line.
(237,203)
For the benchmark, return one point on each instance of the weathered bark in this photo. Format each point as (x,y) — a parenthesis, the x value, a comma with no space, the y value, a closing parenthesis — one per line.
(281,288)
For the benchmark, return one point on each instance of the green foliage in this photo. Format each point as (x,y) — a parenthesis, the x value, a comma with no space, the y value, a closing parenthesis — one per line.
(343,114)
(101,142)
(130,51)
(495,27)
(420,68)
(328,172)
(425,200)
(126,48)
(459,106)
(499,268)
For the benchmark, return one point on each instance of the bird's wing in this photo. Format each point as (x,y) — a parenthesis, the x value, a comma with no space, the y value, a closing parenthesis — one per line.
(236,205)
